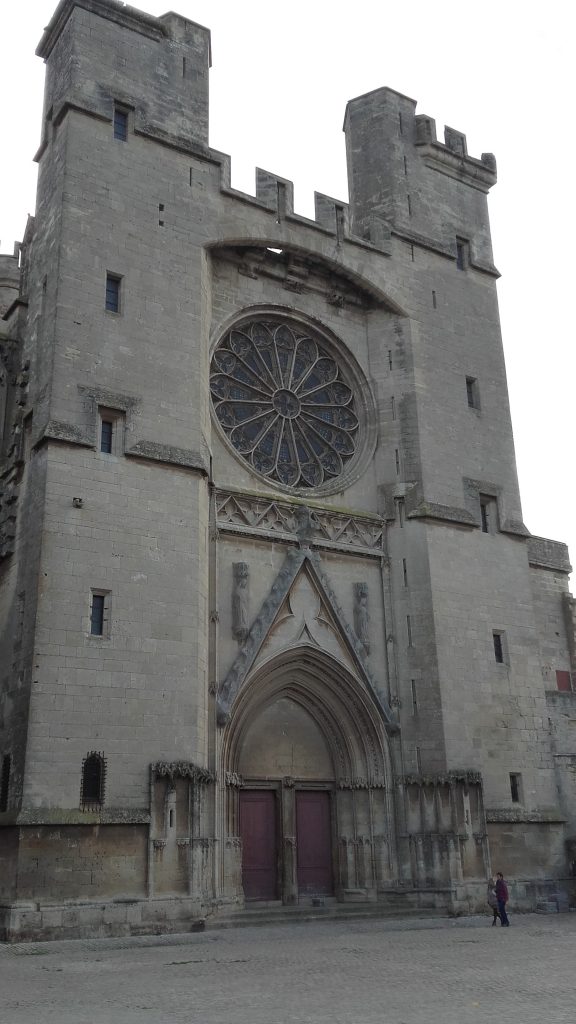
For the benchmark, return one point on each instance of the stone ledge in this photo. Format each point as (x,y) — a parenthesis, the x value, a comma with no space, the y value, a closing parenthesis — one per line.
(57,430)
(446,513)
(74,816)
(182,457)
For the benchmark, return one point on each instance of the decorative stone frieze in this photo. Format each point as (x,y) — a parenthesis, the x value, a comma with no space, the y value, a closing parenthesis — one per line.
(244,513)
(182,770)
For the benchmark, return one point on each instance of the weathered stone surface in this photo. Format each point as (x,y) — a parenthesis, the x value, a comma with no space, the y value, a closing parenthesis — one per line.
(398,652)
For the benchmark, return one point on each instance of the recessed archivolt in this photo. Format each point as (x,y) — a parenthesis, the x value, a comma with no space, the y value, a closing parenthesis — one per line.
(257,252)
(331,696)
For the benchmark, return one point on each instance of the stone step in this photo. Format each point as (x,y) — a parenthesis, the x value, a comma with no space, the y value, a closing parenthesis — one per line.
(277,914)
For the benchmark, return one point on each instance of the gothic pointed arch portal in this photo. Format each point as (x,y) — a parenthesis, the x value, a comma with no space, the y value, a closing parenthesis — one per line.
(308,800)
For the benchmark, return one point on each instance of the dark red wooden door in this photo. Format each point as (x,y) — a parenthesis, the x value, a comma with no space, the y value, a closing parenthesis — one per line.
(259,844)
(314,842)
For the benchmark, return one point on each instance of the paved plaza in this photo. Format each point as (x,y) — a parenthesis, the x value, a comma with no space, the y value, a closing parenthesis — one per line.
(334,972)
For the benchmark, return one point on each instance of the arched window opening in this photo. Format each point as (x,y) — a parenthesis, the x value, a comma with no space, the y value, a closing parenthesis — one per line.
(93,780)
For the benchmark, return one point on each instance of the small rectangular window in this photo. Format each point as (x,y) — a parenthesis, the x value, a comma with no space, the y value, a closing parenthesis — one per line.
(472,394)
(113,293)
(397,460)
(414,697)
(462,254)
(393,407)
(563,680)
(97,615)
(434,301)
(100,613)
(106,428)
(111,431)
(409,631)
(5,782)
(405,572)
(516,787)
(498,639)
(120,124)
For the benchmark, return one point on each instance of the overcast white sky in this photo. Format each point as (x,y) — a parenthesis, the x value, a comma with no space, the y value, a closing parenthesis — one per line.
(501,71)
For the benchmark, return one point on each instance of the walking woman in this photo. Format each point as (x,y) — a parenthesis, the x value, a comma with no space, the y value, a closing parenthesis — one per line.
(502,896)
(492,900)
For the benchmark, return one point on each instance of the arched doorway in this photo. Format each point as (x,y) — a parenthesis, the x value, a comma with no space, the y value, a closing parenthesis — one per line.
(308,805)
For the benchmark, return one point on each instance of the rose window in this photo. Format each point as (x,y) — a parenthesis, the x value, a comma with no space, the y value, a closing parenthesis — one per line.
(280,397)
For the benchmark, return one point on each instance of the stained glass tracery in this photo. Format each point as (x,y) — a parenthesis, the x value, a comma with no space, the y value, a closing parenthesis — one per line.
(280,397)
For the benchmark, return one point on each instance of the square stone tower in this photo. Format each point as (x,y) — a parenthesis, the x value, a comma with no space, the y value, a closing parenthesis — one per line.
(271,624)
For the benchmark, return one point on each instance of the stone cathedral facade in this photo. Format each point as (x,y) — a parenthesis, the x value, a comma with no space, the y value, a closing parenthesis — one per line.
(271,624)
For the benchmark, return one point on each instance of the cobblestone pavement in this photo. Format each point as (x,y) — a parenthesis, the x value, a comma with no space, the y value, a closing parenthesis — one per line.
(363,972)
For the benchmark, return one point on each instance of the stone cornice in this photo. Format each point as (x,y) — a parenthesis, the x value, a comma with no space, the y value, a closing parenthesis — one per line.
(475,173)
(548,554)
(424,242)
(127,17)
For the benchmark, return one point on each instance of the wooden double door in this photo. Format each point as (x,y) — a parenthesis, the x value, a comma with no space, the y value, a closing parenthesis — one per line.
(263,843)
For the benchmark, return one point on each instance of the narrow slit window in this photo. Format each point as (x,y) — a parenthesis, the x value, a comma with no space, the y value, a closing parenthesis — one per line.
(409,631)
(120,124)
(472,395)
(498,641)
(393,406)
(339,213)
(404,572)
(106,431)
(397,460)
(113,293)
(5,781)
(488,514)
(516,787)
(419,760)
(389,358)
(414,697)
(434,301)
(462,254)
(409,204)
(401,511)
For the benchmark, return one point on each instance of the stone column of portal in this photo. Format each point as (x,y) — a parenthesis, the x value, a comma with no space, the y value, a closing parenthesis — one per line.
(289,860)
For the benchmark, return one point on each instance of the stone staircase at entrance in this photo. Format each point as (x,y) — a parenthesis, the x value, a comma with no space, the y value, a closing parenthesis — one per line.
(262,913)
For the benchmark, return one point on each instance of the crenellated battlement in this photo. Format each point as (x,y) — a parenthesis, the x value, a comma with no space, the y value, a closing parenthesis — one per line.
(402,180)
(428,192)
